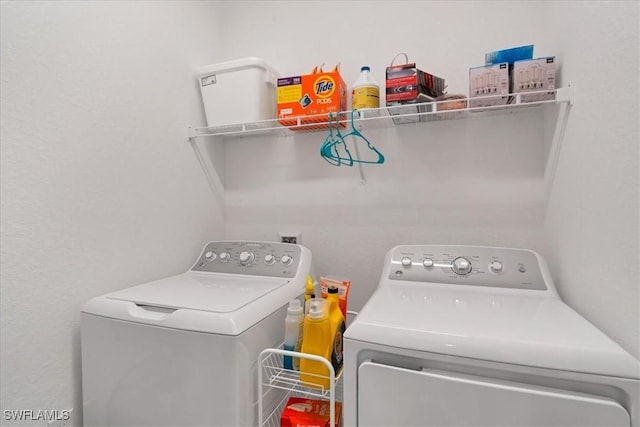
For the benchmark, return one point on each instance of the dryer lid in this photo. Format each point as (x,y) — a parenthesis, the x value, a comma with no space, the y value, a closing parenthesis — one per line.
(218,293)
(489,325)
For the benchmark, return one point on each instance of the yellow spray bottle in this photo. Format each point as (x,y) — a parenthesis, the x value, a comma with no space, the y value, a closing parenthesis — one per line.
(309,289)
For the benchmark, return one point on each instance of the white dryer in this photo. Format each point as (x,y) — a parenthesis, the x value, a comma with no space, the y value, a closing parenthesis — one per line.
(182,351)
(478,336)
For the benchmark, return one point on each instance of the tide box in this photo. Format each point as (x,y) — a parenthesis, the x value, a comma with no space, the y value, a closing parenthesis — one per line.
(302,412)
(408,88)
(343,286)
(311,98)
(488,81)
(537,75)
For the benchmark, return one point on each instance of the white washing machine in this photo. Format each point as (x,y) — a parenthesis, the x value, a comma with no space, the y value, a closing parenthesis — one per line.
(182,351)
(478,336)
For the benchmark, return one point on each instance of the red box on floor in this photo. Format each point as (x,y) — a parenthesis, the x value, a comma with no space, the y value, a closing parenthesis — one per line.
(302,412)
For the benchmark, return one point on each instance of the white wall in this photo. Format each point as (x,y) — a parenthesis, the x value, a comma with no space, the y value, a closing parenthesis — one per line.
(592,219)
(100,189)
(476,182)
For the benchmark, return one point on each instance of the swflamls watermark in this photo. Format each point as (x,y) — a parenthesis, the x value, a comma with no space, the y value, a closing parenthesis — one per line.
(36,414)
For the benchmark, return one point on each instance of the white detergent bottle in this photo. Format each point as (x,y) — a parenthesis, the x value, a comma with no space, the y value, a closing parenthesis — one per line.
(365,92)
(293,334)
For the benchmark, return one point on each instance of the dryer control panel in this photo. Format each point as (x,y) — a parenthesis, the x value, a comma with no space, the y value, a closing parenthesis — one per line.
(270,259)
(468,265)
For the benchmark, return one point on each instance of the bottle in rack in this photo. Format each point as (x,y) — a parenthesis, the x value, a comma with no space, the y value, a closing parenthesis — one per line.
(337,321)
(323,328)
(317,340)
(309,291)
(293,334)
(365,92)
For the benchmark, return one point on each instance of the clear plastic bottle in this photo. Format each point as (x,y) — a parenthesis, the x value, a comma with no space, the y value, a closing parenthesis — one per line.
(293,324)
(365,92)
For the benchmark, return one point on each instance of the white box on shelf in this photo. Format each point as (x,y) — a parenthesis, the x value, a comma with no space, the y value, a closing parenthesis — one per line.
(489,81)
(239,91)
(535,75)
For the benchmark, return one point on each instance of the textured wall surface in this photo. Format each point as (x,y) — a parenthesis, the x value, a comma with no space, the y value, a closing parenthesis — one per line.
(592,219)
(477,181)
(100,189)
(454,182)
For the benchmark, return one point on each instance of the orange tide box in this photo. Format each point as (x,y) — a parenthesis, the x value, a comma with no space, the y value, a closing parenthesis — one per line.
(301,412)
(311,98)
(343,286)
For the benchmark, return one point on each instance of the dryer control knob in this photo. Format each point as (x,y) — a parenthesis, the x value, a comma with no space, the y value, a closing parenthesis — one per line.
(286,260)
(461,266)
(210,256)
(427,262)
(225,257)
(246,258)
(269,259)
(406,261)
(495,266)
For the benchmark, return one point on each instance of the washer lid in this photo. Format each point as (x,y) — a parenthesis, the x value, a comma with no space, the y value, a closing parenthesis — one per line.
(225,304)
(489,325)
(218,293)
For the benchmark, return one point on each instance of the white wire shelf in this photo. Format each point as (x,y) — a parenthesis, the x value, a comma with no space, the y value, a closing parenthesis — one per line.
(277,384)
(386,117)
(394,115)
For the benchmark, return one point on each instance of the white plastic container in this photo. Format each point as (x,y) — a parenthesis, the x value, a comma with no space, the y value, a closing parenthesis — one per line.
(365,92)
(239,91)
(293,334)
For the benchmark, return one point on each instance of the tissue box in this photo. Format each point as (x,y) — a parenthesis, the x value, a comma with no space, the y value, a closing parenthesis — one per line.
(311,97)
(301,412)
(535,75)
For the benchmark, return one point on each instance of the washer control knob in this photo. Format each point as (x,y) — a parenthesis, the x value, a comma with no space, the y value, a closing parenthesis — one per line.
(406,261)
(495,266)
(269,259)
(210,256)
(461,266)
(286,260)
(246,258)
(225,257)
(427,263)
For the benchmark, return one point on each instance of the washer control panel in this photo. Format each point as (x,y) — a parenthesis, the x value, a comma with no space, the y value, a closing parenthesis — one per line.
(255,258)
(467,265)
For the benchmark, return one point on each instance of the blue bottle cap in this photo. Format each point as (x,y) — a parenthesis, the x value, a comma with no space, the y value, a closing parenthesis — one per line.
(365,68)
